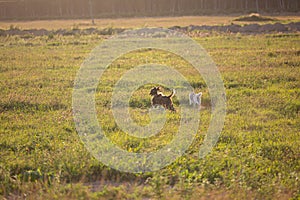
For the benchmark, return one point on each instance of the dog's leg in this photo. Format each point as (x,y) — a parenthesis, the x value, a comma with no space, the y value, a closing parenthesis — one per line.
(191,98)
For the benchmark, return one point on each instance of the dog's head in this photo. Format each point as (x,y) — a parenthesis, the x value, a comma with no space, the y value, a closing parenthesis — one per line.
(154,91)
(199,95)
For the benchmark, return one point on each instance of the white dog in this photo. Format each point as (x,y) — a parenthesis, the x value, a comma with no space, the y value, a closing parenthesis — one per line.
(195,99)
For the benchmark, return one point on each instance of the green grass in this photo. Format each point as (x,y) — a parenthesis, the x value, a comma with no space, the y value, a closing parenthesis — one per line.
(257,156)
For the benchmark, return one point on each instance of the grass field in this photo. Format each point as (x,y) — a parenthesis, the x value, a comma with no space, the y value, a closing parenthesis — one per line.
(136,22)
(256,157)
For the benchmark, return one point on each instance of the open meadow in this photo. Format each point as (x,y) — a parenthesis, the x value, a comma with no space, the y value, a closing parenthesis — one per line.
(135,22)
(257,155)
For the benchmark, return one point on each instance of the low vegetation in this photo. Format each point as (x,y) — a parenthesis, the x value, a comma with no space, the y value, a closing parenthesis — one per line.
(256,157)
(254,17)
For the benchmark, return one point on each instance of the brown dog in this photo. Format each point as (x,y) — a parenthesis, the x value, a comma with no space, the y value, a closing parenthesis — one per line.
(160,99)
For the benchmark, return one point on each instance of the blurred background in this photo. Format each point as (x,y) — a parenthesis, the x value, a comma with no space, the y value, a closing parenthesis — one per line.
(69,9)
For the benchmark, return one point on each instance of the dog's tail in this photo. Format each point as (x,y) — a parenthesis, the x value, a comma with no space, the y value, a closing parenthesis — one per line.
(172,95)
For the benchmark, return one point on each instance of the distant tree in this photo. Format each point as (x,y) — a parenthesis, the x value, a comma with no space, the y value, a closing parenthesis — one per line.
(246,4)
(34,9)
(91,11)
(281,5)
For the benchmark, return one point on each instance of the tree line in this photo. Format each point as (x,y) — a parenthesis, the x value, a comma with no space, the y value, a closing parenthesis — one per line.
(49,9)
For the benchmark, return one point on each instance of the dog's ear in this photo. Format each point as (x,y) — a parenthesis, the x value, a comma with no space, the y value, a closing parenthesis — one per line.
(158,88)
